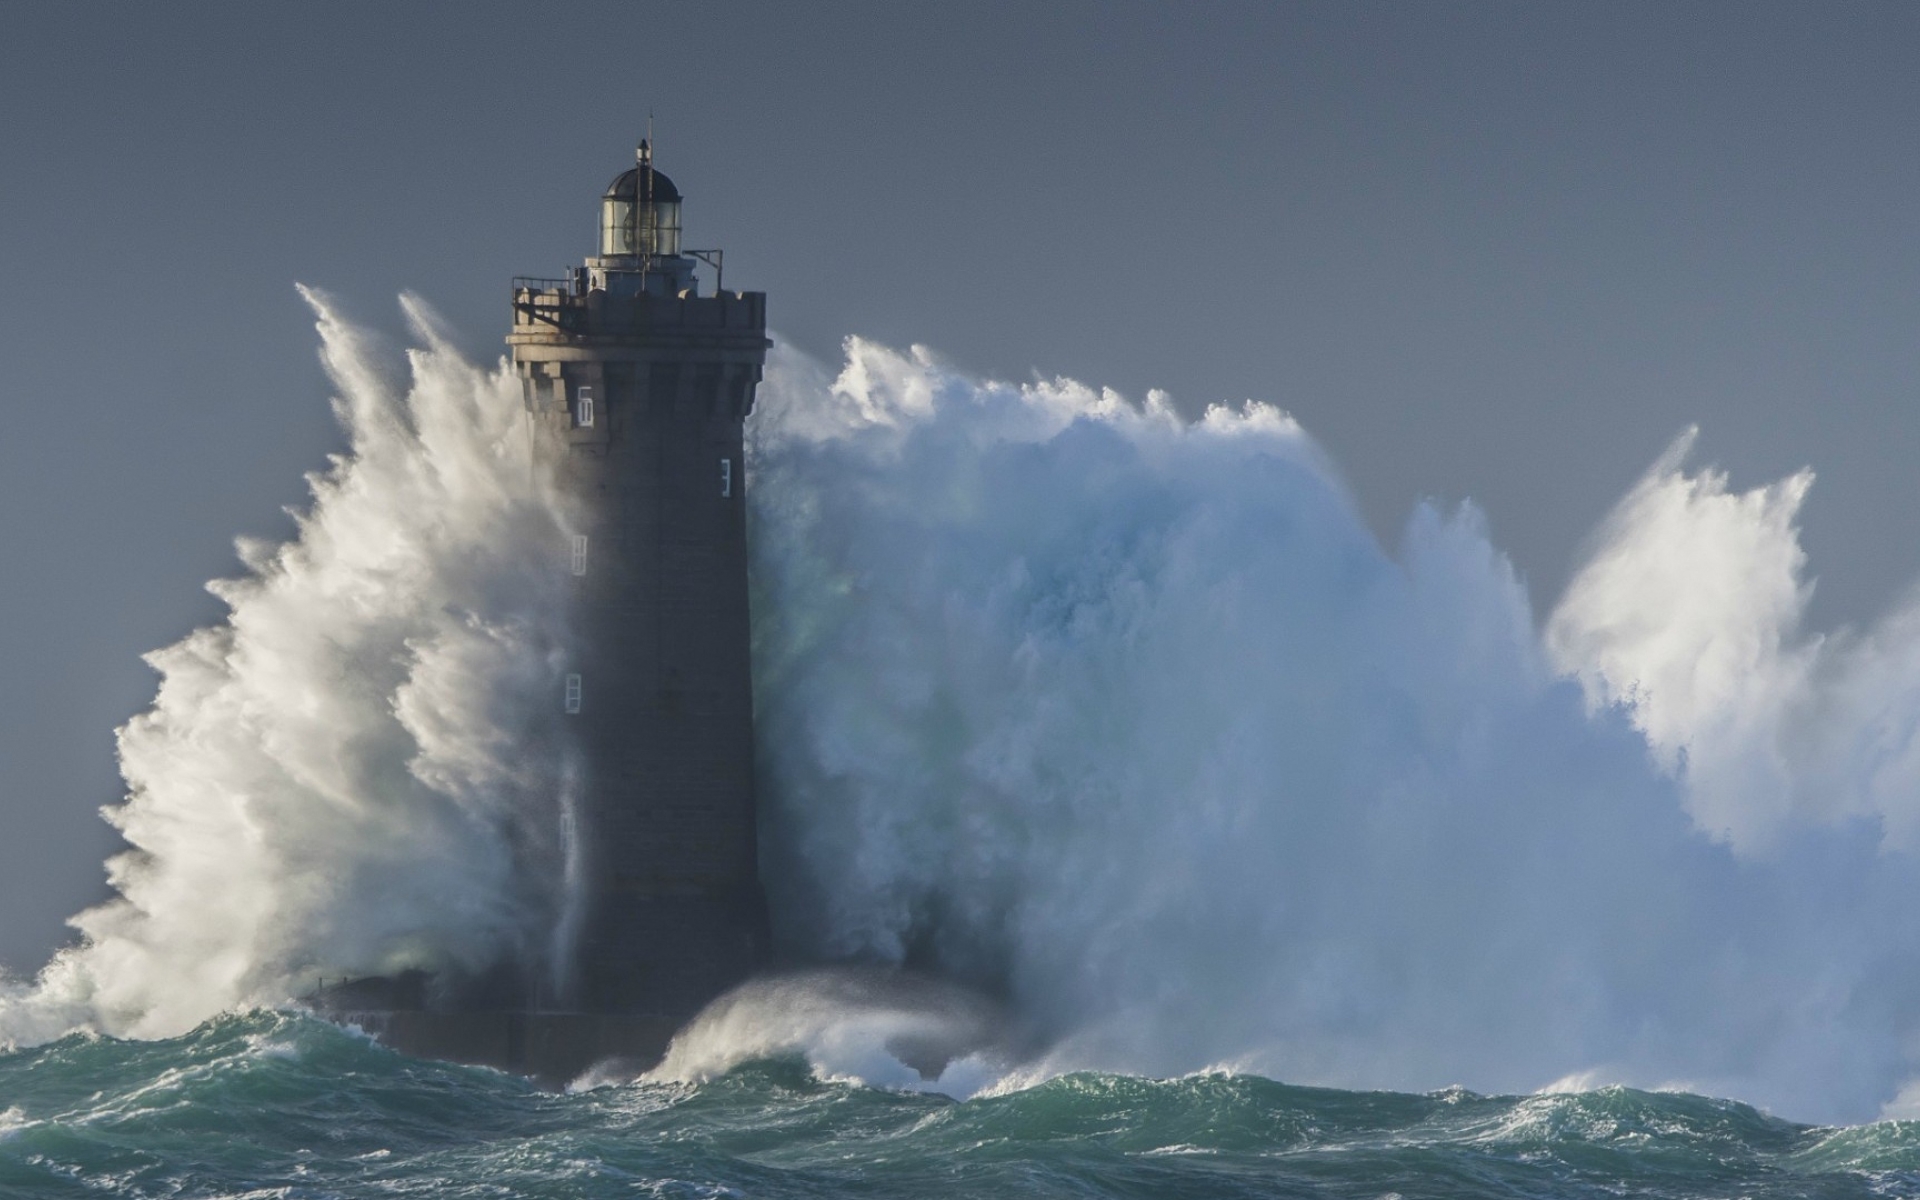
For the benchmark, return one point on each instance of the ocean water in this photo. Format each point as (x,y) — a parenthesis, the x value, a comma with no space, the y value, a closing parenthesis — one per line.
(272,1104)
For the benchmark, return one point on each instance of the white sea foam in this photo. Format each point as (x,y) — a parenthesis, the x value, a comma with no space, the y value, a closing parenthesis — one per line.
(1125,717)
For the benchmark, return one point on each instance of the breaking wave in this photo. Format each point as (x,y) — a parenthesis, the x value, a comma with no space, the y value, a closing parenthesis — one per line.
(879,1027)
(1123,719)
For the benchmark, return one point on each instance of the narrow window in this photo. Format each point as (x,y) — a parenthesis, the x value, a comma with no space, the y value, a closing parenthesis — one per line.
(583,408)
(726,477)
(573,693)
(579,554)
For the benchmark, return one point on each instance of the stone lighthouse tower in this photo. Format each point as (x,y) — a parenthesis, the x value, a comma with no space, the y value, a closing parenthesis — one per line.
(637,385)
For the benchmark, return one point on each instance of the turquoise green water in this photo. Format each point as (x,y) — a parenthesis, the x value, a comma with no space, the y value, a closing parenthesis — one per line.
(285,1106)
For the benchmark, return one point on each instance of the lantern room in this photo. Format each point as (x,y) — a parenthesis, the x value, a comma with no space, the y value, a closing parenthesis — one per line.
(640,213)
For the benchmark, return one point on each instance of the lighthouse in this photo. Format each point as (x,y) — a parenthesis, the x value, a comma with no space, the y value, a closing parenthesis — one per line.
(637,384)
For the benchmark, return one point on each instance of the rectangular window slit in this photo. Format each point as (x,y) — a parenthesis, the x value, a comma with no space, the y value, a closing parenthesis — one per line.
(726,477)
(573,693)
(583,408)
(579,554)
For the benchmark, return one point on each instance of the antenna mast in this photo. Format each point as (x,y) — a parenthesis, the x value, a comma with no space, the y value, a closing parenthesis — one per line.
(643,218)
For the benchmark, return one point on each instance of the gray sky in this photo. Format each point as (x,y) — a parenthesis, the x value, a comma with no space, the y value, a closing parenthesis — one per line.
(1495,251)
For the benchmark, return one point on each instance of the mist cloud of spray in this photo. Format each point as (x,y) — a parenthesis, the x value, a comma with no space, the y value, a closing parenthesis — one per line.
(1123,717)
(1132,719)
(358,771)
(1688,616)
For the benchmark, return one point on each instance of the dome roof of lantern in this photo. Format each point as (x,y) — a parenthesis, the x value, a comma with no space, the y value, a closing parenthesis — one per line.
(625,185)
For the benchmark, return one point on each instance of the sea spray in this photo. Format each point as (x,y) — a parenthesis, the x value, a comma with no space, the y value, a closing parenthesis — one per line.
(359,770)
(1121,717)
(1130,718)
(1685,614)
(1688,615)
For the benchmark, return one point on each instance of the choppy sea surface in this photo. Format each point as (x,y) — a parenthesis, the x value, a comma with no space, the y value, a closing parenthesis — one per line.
(271,1104)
